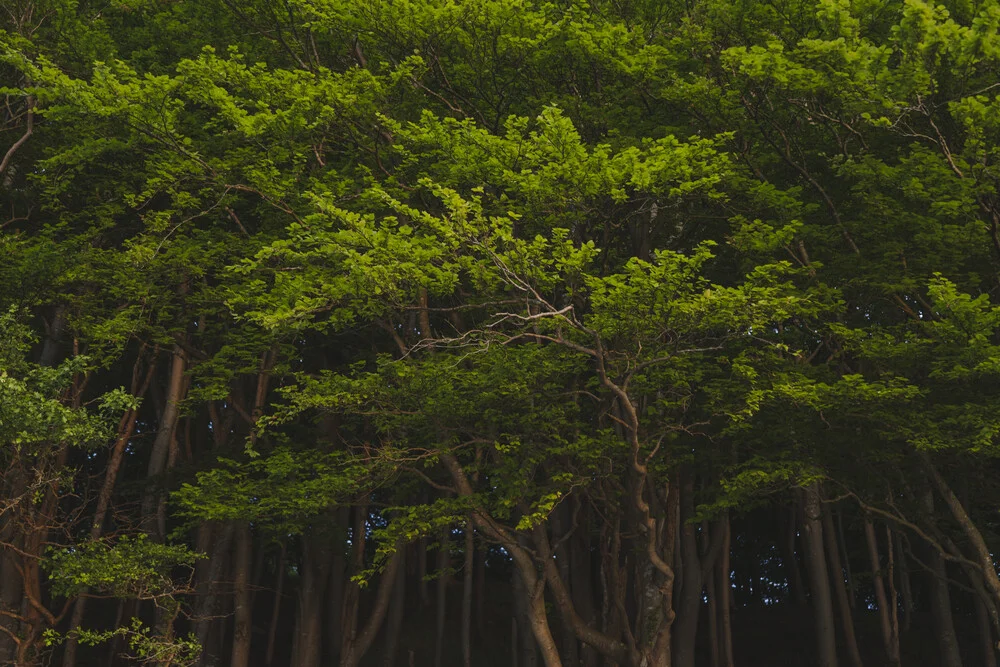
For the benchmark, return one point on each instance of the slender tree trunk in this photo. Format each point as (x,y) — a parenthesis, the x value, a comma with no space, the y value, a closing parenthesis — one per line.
(443,565)
(208,604)
(893,593)
(243,618)
(846,559)
(352,591)
(890,641)
(523,561)
(279,591)
(467,583)
(126,427)
(422,590)
(790,560)
(986,639)
(840,592)
(307,646)
(983,556)
(397,609)
(905,587)
(480,581)
(560,521)
(724,588)
(713,602)
(940,599)
(522,609)
(685,629)
(359,644)
(161,444)
(819,578)
(337,589)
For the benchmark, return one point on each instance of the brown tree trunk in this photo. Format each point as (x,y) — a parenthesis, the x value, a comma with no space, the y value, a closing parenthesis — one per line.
(126,427)
(724,589)
(986,640)
(819,578)
(243,617)
(523,562)
(208,602)
(358,645)
(685,631)
(397,609)
(443,565)
(161,443)
(467,583)
(307,647)
(845,558)
(840,592)
(890,641)
(790,560)
(905,587)
(279,591)
(944,624)
(983,556)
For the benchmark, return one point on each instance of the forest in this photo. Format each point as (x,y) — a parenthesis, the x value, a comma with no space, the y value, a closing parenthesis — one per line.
(499,333)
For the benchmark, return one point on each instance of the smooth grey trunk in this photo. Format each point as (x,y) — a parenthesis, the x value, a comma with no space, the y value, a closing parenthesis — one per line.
(819,578)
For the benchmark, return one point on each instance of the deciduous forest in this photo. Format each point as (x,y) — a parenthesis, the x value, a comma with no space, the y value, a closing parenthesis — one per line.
(481,333)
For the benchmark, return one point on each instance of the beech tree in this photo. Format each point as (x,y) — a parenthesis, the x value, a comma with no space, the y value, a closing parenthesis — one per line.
(436,333)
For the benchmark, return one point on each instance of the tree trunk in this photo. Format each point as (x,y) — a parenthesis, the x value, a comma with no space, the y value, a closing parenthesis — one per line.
(724,589)
(905,587)
(467,582)
(126,427)
(840,592)
(524,563)
(986,640)
(984,557)
(161,444)
(279,590)
(940,599)
(890,641)
(528,656)
(243,617)
(796,587)
(397,611)
(359,644)
(307,647)
(208,603)
(845,558)
(819,578)
(443,565)
(685,631)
